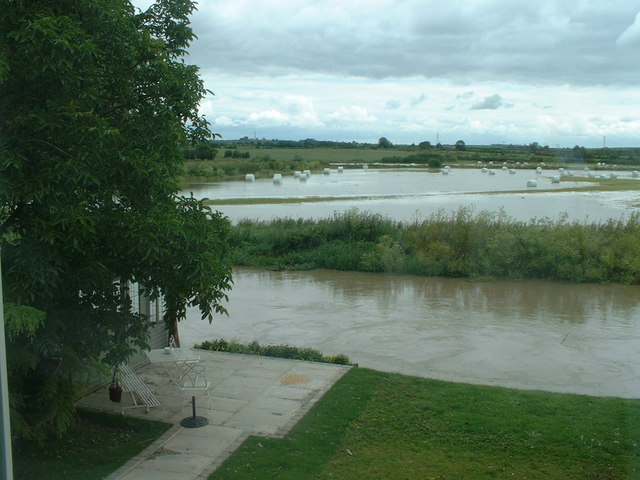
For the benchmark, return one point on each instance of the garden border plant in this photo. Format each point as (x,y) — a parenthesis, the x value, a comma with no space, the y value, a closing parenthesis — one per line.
(279,351)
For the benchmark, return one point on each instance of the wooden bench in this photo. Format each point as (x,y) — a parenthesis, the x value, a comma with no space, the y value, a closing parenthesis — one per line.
(132,383)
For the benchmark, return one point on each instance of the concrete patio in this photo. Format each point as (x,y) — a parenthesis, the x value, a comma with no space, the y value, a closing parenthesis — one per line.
(250,395)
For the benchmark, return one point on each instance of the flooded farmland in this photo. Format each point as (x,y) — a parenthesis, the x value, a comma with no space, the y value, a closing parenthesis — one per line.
(406,195)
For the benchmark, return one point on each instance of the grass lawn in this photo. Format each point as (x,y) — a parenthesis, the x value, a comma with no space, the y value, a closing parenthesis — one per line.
(322,154)
(375,425)
(93,448)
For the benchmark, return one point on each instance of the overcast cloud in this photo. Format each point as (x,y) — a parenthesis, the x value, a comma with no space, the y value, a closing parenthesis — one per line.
(558,72)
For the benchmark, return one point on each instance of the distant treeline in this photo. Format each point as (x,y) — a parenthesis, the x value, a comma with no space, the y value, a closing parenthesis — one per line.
(463,244)
(307,143)
(251,150)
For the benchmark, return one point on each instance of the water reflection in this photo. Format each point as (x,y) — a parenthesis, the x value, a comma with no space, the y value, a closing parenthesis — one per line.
(405,195)
(527,334)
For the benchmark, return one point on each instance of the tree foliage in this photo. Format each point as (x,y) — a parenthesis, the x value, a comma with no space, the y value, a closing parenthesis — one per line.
(97,107)
(384,143)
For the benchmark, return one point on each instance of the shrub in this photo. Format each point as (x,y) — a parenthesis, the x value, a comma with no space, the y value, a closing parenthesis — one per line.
(278,351)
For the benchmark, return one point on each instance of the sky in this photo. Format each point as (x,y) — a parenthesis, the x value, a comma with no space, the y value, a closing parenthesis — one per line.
(557,72)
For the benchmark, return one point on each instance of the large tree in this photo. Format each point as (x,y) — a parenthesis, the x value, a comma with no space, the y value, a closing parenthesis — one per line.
(96,108)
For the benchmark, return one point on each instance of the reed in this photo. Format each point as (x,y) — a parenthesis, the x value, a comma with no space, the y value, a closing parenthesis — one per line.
(460,244)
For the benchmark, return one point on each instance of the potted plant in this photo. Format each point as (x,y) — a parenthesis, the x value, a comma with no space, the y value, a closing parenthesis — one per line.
(115,390)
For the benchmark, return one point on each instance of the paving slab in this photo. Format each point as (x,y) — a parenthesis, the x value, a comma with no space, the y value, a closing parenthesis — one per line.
(250,396)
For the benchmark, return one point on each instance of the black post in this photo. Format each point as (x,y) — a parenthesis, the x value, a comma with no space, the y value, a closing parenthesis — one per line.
(193,421)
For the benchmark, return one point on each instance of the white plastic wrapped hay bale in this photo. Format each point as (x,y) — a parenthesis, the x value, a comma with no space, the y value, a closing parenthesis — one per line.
(307,173)
(492,172)
(297,174)
(277,178)
(555,179)
(484,170)
(504,167)
(532,183)
(538,169)
(445,171)
(512,171)
(327,171)
(340,169)
(250,177)
(303,177)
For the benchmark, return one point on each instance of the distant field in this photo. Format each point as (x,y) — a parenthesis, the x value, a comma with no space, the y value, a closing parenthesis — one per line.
(321,154)
(232,162)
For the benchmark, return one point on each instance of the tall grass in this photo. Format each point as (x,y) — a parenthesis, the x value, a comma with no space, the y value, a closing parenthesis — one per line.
(461,244)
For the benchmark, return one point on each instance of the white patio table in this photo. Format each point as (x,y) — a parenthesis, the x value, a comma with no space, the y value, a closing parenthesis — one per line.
(178,362)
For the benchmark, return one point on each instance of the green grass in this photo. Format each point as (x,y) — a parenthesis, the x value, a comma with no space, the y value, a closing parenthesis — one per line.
(286,200)
(269,158)
(324,155)
(374,425)
(95,446)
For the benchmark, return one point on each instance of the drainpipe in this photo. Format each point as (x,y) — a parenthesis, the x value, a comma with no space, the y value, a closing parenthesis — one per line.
(6,464)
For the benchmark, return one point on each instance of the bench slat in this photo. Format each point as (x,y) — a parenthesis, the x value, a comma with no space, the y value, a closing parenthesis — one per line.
(133,384)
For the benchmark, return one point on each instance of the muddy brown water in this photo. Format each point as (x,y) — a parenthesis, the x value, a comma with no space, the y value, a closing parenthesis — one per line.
(528,334)
(525,334)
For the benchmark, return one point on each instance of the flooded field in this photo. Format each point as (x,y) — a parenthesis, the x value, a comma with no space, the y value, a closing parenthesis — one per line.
(525,334)
(406,195)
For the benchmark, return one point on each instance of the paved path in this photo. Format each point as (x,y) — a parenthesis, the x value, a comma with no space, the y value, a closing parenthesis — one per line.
(251,396)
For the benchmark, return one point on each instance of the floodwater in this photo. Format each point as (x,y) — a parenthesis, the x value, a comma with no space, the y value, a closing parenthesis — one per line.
(525,334)
(408,195)
(529,334)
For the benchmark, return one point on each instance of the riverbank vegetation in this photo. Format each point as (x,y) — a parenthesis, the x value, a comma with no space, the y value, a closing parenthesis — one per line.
(379,425)
(278,351)
(461,244)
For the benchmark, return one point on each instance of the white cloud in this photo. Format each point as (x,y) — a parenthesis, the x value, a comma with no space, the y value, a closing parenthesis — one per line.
(392,105)
(631,36)
(418,100)
(269,117)
(224,121)
(351,114)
